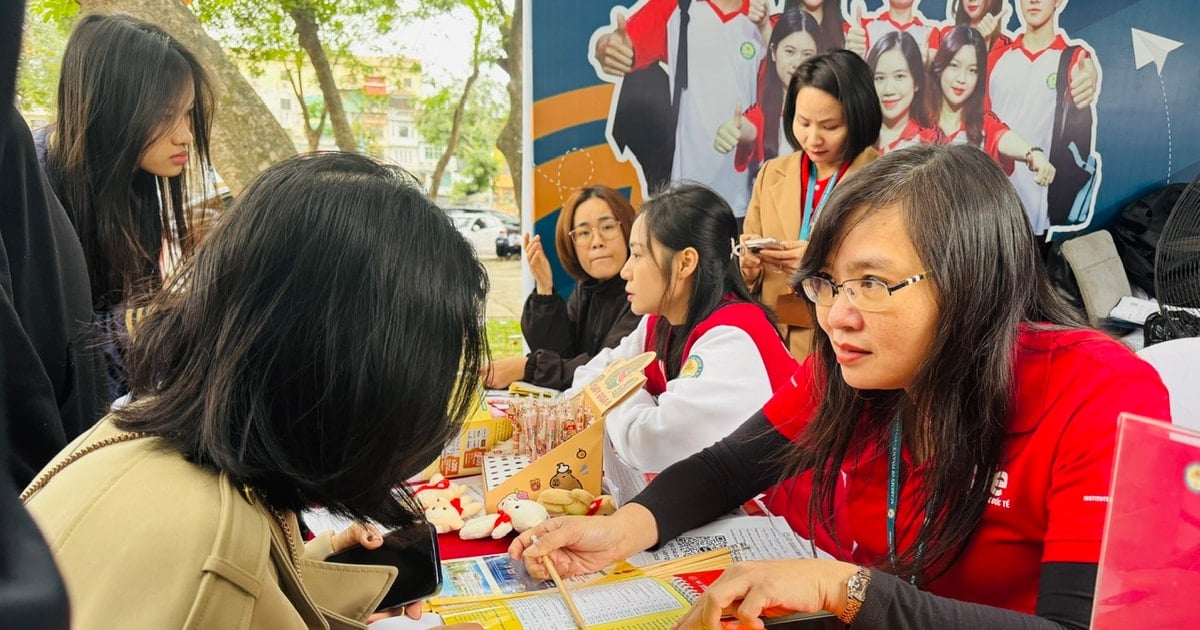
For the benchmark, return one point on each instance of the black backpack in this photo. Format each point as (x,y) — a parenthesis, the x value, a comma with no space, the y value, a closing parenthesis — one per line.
(1137,229)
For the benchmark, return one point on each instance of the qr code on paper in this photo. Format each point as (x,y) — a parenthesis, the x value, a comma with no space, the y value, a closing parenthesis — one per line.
(691,545)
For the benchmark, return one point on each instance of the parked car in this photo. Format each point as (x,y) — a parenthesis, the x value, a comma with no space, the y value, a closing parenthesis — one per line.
(481,230)
(509,244)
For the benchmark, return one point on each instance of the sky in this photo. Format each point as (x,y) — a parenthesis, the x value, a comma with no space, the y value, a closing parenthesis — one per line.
(443,46)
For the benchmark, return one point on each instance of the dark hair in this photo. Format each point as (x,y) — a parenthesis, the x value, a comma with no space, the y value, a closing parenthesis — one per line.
(121,78)
(969,228)
(323,343)
(790,22)
(961,17)
(691,215)
(972,112)
(846,77)
(621,209)
(831,23)
(907,47)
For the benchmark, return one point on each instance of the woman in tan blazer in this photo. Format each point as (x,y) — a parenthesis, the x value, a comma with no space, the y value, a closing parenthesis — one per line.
(319,349)
(832,117)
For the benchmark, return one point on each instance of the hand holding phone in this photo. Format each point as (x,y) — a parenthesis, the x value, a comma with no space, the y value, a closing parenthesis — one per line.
(414,553)
(756,245)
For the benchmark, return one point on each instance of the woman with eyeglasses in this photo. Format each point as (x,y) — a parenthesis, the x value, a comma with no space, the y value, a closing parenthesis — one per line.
(949,442)
(592,242)
(719,354)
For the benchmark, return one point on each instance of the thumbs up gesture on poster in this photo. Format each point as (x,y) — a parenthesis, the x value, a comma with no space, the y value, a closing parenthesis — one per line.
(757,12)
(856,37)
(989,26)
(614,50)
(1083,80)
(729,134)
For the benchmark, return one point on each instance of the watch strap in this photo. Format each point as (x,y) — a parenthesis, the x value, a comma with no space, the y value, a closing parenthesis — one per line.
(856,594)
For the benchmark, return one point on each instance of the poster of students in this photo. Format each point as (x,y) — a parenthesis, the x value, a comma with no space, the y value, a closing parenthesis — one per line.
(1072,98)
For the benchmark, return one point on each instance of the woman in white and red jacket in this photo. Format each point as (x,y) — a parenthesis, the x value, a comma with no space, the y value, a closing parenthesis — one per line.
(719,353)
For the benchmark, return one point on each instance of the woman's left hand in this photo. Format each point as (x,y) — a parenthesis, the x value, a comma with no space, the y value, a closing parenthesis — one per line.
(368,536)
(786,260)
(747,590)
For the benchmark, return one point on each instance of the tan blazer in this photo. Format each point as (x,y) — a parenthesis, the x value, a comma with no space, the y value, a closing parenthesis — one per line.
(775,211)
(146,539)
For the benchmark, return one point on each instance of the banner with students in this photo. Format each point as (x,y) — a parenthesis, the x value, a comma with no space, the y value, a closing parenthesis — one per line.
(1087,87)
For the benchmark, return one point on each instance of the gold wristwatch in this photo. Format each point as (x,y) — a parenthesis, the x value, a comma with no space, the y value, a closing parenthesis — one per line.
(856,594)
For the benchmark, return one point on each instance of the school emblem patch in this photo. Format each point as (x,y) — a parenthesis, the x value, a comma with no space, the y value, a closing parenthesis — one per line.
(1052,80)
(1191,477)
(692,367)
(748,50)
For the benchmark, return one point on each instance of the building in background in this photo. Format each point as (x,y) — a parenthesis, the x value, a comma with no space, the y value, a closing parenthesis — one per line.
(380,96)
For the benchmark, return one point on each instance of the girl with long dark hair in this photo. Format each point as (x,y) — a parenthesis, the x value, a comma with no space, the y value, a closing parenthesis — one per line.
(129,146)
(719,354)
(899,73)
(957,85)
(950,440)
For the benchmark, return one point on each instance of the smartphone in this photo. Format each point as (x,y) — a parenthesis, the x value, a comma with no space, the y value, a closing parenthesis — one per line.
(414,553)
(756,245)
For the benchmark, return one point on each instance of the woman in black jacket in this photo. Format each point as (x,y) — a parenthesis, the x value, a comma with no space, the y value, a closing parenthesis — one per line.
(592,241)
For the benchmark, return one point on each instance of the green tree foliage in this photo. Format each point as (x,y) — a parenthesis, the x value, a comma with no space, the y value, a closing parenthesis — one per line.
(41,58)
(485,112)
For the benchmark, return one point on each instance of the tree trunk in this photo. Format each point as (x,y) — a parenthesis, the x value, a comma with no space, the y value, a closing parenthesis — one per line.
(310,41)
(312,134)
(246,137)
(510,140)
(459,111)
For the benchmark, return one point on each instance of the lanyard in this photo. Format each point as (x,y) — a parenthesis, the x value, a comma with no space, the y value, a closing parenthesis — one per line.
(893,498)
(810,213)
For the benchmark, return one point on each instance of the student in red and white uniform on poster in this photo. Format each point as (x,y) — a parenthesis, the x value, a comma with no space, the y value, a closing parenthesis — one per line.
(956,90)
(899,73)
(986,16)
(724,48)
(950,441)
(1023,80)
(719,354)
(901,15)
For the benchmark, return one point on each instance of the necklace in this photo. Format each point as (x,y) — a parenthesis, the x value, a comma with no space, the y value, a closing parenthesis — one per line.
(284,525)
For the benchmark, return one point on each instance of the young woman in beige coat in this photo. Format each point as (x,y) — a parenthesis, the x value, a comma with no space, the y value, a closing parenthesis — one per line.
(832,117)
(319,349)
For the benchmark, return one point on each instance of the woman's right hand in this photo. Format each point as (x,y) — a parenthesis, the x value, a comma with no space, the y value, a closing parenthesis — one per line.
(539,265)
(750,263)
(585,544)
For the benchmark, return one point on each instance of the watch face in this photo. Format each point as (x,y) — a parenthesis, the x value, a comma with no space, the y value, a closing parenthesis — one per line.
(857,586)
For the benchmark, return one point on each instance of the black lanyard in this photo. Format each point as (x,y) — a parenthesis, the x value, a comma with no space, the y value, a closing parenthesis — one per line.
(893,498)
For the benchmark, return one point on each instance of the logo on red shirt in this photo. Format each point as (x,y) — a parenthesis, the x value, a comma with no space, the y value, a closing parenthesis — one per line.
(999,484)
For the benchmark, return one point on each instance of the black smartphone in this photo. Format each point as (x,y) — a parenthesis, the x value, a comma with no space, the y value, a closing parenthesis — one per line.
(414,553)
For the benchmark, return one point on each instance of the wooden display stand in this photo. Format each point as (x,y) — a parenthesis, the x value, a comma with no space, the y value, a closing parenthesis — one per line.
(578,462)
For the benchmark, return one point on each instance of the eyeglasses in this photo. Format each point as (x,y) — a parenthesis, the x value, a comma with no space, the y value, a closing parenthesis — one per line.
(866,294)
(608,230)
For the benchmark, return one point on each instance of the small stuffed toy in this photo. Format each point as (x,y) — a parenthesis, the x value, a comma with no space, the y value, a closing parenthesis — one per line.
(449,515)
(438,487)
(513,514)
(577,502)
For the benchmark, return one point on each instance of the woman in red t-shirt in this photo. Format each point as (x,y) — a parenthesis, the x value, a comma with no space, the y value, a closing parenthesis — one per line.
(949,442)
(957,85)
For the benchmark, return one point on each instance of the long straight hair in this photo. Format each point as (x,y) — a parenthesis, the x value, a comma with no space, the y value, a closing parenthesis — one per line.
(961,17)
(969,228)
(832,34)
(691,215)
(121,79)
(322,345)
(972,111)
(904,43)
(790,22)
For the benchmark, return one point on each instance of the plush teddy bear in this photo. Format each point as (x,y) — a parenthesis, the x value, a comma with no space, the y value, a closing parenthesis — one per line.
(578,502)
(438,487)
(513,514)
(449,515)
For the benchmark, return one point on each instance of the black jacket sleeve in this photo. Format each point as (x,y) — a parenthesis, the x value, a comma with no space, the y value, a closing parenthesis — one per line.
(563,337)
(696,490)
(1064,601)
